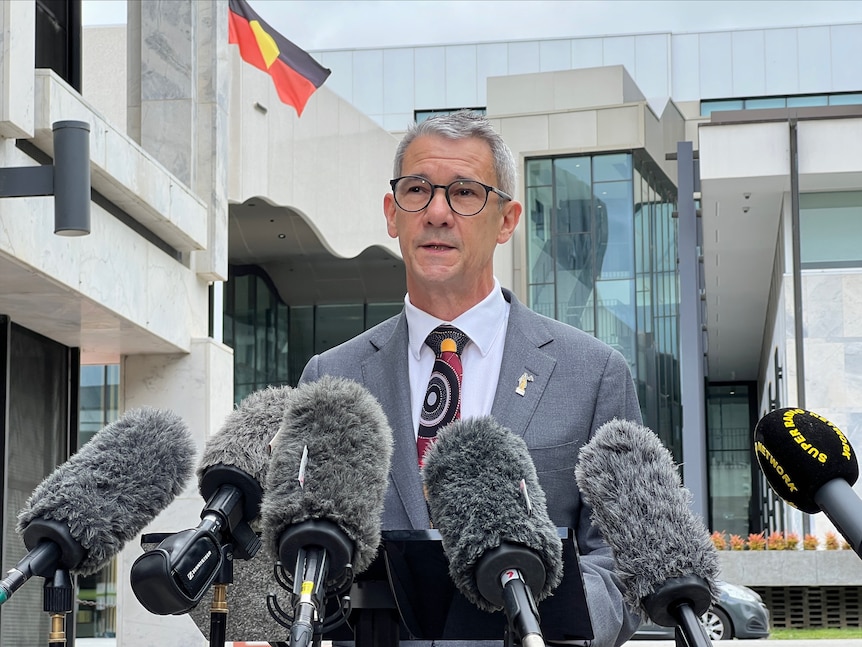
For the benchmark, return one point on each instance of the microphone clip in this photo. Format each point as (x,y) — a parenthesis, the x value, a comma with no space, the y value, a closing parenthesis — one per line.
(321,554)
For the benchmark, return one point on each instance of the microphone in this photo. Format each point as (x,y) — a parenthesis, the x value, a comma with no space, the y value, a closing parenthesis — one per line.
(809,463)
(84,512)
(174,576)
(662,551)
(324,494)
(486,501)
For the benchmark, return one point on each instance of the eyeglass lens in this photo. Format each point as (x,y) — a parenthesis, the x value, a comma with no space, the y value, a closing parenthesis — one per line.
(466,197)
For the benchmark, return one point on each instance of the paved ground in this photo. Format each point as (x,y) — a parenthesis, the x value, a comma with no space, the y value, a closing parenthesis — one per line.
(855,642)
(851,642)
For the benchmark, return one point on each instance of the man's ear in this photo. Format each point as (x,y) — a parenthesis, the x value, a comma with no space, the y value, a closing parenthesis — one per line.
(389,210)
(511,217)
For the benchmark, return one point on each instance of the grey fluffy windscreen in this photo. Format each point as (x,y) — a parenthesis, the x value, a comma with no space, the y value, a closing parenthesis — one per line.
(641,509)
(349,451)
(117,483)
(243,440)
(471,475)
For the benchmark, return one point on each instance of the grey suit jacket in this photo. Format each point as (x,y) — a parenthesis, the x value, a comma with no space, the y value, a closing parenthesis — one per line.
(578,384)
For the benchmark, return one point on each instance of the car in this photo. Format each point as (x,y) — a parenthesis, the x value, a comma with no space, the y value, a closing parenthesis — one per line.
(739,613)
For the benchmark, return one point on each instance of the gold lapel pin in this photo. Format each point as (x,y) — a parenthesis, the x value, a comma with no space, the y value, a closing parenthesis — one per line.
(522,383)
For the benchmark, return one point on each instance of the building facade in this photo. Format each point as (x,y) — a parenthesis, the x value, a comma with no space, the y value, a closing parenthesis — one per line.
(230,240)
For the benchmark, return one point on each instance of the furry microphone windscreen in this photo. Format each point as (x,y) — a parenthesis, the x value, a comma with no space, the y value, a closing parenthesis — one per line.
(472,475)
(799,452)
(641,509)
(243,440)
(346,470)
(116,484)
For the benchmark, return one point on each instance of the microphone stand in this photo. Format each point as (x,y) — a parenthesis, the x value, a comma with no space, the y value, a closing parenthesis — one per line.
(57,601)
(218,607)
(689,632)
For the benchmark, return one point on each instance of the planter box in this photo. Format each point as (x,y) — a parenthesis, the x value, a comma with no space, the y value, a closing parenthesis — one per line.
(791,567)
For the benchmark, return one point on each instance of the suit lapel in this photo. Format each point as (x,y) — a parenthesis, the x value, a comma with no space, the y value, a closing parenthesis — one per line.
(525,335)
(394,396)
(524,365)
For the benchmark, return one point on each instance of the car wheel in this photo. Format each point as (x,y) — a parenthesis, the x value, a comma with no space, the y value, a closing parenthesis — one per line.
(717,625)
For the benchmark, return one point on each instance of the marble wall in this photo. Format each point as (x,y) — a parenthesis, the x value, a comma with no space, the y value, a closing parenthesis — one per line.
(135,291)
(832,351)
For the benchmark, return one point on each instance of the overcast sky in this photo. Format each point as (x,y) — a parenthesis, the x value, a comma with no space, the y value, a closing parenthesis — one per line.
(344,24)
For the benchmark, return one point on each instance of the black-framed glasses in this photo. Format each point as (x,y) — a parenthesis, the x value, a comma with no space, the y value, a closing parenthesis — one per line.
(465,197)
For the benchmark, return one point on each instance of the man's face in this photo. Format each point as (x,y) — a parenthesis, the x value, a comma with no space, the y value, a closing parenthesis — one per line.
(445,253)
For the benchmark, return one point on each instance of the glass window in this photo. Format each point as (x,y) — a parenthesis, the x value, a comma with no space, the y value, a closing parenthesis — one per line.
(708,107)
(767,102)
(608,168)
(376,313)
(97,593)
(601,250)
(543,299)
(830,226)
(301,327)
(575,280)
(792,101)
(851,99)
(807,101)
(335,324)
(573,195)
(729,450)
(422,115)
(35,379)
(540,255)
(538,172)
(272,341)
(614,236)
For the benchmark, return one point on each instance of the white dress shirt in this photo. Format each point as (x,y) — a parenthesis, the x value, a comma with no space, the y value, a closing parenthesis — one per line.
(485,325)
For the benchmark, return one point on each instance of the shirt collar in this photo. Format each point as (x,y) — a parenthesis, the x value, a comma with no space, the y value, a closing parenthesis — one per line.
(481,323)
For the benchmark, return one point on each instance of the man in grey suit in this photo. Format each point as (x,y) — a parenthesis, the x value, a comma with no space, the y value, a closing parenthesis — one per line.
(550,383)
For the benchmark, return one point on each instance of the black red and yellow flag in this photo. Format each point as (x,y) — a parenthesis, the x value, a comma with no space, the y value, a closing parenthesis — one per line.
(294,72)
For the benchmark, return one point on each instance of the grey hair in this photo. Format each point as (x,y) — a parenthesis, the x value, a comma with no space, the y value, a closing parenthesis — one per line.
(462,125)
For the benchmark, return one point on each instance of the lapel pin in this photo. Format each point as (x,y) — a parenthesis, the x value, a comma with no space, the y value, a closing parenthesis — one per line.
(522,383)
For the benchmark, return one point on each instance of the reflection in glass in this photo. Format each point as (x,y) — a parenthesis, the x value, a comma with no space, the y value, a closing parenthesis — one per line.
(99,395)
(601,252)
(729,457)
(273,341)
(830,226)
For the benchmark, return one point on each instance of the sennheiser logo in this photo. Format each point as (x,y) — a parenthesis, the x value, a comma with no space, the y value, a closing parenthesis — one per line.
(194,571)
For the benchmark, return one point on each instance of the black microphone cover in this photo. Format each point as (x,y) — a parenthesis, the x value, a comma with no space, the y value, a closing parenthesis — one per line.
(349,445)
(799,452)
(243,440)
(642,511)
(471,476)
(116,484)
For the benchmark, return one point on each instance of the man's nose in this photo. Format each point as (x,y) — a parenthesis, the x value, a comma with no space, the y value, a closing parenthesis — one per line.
(438,210)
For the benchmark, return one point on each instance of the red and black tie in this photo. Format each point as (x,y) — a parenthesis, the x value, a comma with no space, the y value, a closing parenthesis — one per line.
(442,402)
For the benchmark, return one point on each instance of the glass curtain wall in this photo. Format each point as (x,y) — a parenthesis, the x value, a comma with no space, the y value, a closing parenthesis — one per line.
(601,256)
(729,412)
(38,391)
(830,229)
(97,593)
(272,341)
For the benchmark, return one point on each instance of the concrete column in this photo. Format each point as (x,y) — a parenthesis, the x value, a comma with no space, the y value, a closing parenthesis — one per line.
(17,64)
(199,388)
(178,87)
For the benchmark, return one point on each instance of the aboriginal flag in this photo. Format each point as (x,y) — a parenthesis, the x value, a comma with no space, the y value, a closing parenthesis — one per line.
(295,74)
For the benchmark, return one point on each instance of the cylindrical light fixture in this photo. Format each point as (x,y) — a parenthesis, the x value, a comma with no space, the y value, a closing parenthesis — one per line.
(71,178)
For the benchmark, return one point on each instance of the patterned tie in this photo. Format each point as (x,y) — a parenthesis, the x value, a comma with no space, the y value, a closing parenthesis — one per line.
(442,402)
